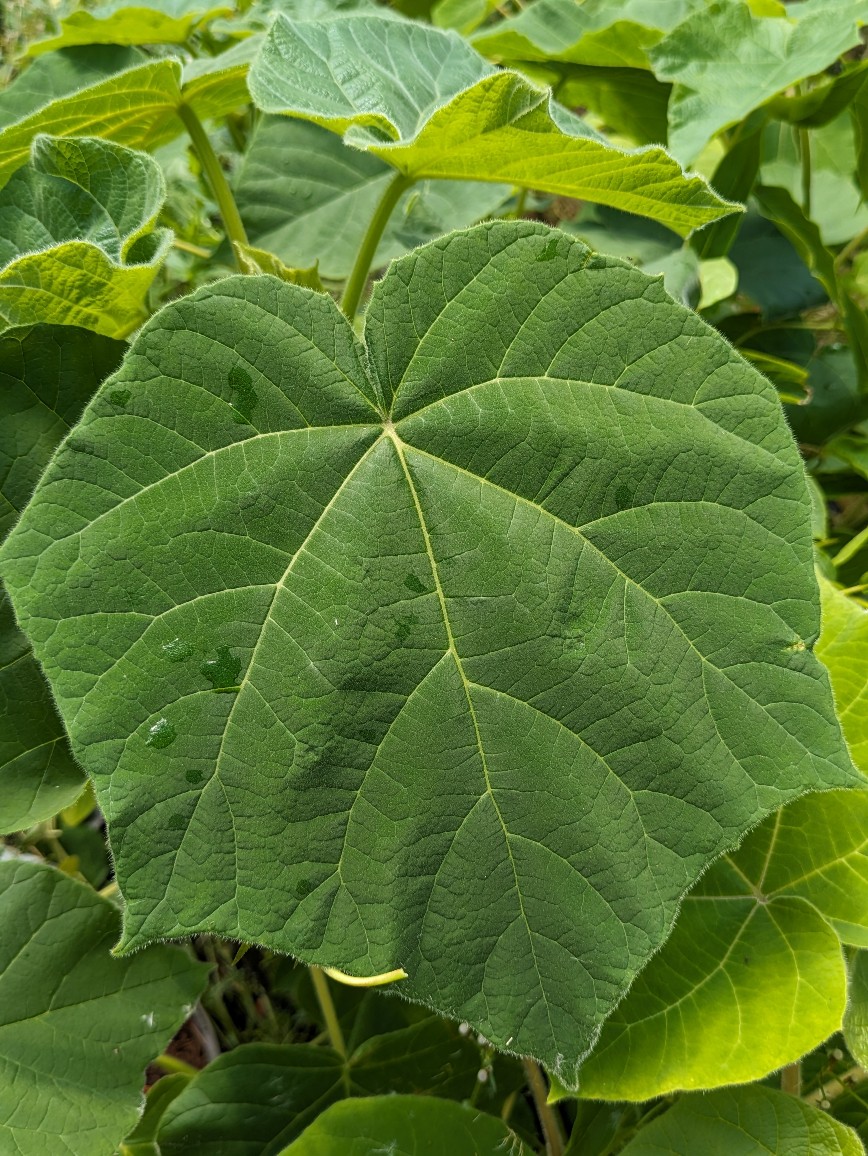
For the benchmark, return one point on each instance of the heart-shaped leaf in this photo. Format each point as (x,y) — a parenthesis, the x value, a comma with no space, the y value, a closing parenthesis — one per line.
(307,198)
(406,1126)
(289,1087)
(432,107)
(47,374)
(77,1026)
(137,107)
(123,22)
(354,605)
(752,977)
(744,1122)
(77,238)
(725,61)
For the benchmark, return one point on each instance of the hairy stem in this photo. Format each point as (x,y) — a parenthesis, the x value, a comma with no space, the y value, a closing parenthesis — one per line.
(229,214)
(791,1079)
(358,278)
(327,1007)
(549,1122)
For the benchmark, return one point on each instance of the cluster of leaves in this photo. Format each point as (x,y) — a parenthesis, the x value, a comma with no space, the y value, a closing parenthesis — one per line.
(460,641)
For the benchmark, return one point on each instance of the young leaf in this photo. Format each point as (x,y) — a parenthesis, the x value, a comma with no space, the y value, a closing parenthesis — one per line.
(123,22)
(137,107)
(744,1122)
(725,61)
(306,197)
(289,1086)
(752,977)
(355,605)
(437,109)
(47,374)
(78,1027)
(406,1126)
(77,238)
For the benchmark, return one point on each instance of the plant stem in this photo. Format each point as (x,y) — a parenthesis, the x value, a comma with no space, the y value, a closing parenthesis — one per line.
(805,153)
(791,1079)
(521,202)
(229,214)
(327,1007)
(358,278)
(173,1064)
(548,1120)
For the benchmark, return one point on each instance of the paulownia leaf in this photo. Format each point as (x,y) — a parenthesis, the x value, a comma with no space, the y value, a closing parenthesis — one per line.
(406,1126)
(77,239)
(726,60)
(478,644)
(136,107)
(425,102)
(843,648)
(77,1026)
(744,1122)
(122,22)
(257,1098)
(47,374)
(752,977)
(306,197)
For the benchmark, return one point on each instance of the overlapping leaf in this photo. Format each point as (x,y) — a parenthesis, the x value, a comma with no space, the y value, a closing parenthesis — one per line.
(350,619)
(60,73)
(725,60)
(843,647)
(307,198)
(77,239)
(422,100)
(47,374)
(77,1027)
(406,1126)
(744,1122)
(126,23)
(136,107)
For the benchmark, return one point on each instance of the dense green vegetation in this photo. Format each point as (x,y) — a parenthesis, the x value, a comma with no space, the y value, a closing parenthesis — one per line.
(435,548)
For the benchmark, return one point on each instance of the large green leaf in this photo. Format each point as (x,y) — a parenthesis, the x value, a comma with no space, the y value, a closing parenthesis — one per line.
(725,60)
(752,977)
(406,1126)
(77,239)
(77,1027)
(307,198)
(432,107)
(47,374)
(122,22)
(136,107)
(60,73)
(256,1099)
(355,607)
(744,1122)
(843,647)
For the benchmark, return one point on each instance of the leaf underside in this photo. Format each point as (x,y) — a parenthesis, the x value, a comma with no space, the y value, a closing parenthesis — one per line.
(463,652)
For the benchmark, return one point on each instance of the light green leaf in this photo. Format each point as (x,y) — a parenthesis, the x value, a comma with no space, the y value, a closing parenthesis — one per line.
(843,648)
(78,1027)
(77,238)
(462,15)
(752,977)
(254,261)
(313,580)
(744,1122)
(406,1126)
(259,1097)
(725,61)
(136,107)
(719,279)
(122,22)
(47,374)
(60,73)
(856,1016)
(142,1141)
(307,198)
(437,109)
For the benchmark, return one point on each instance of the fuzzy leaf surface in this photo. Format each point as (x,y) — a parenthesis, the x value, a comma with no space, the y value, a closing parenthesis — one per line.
(406,1126)
(47,375)
(78,1027)
(60,73)
(353,604)
(744,1122)
(77,238)
(120,22)
(725,61)
(432,107)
